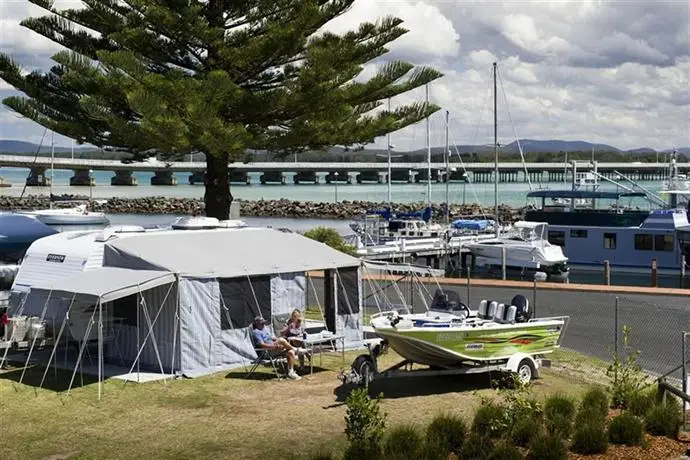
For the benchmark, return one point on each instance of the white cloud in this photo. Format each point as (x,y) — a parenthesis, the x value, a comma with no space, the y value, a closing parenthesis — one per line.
(615,72)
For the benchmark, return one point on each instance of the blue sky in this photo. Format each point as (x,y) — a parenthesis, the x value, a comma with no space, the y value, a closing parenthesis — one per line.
(602,71)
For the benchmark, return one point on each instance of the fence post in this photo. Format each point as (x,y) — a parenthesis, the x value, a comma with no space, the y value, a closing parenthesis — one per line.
(607,273)
(615,338)
(682,271)
(685,379)
(503,263)
(534,297)
(654,273)
(469,299)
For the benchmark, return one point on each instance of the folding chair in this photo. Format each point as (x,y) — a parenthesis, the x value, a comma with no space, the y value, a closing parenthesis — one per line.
(265,356)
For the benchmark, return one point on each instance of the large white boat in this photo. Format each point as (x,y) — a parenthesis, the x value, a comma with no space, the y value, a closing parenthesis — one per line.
(526,247)
(78,215)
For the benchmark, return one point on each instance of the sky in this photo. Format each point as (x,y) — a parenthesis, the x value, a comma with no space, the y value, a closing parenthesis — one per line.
(613,72)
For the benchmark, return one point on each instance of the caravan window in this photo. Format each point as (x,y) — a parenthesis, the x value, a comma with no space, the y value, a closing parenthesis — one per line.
(578,233)
(663,242)
(244,298)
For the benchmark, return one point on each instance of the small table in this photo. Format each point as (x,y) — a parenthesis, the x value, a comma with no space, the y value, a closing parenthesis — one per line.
(311,342)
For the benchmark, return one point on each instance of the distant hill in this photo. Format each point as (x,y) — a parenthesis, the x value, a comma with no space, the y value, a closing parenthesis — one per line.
(534,145)
(21,147)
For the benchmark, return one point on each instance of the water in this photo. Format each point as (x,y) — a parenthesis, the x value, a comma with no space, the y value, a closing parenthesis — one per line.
(511,194)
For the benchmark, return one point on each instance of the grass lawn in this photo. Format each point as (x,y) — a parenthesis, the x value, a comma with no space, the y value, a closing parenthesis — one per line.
(221,416)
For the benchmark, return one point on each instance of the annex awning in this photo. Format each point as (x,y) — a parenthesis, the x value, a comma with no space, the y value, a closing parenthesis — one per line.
(222,253)
(106,283)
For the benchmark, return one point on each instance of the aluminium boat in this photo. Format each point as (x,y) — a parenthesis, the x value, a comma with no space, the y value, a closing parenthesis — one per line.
(451,338)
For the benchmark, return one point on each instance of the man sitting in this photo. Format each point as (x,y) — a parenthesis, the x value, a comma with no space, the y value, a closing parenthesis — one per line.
(266,341)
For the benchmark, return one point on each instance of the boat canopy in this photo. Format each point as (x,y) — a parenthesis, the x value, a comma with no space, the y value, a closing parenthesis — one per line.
(583,194)
(470,224)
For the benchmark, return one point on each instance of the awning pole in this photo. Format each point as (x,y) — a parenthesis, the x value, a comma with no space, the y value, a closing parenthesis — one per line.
(33,342)
(100,348)
(57,341)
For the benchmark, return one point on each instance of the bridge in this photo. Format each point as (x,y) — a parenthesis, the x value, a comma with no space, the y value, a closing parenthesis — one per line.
(311,172)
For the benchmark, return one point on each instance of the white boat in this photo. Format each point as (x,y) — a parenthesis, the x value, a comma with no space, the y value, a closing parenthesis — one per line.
(78,215)
(526,247)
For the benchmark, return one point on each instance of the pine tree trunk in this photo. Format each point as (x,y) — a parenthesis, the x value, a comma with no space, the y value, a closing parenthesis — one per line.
(217,197)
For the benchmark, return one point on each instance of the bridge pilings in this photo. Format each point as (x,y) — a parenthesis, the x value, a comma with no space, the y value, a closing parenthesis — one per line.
(163,177)
(123,178)
(82,177)
(400,175)
(422,175)
(343,177)
(37,178)
(369,176)
(306,176)
(272,177)
(197,178)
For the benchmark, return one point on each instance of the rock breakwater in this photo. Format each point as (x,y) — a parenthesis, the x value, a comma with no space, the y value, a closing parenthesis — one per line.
(261,208)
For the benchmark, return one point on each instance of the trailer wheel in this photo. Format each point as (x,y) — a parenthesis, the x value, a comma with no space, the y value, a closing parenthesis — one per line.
(525,371)
(364,367)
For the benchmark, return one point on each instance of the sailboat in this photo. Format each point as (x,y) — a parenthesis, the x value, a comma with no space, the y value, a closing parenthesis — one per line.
(525,246)
(78,215)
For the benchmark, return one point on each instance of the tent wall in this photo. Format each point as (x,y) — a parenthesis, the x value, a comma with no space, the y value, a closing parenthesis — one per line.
(200,332)
(128,337)
(343,289)
(288,292)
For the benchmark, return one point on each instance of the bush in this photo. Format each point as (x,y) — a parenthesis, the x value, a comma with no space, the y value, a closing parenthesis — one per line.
(525,429)
(597,400)
(665,419)
(446,433)
(489,420)
(559,411)
(403,442)
(626,429)
(547,447)
(591,438)
(627,376)
(322,456)
(364,425)
(477,447)
(641,402)
(505,451)
(331,238)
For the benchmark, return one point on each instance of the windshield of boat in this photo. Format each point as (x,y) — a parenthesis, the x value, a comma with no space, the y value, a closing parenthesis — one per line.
(528,232)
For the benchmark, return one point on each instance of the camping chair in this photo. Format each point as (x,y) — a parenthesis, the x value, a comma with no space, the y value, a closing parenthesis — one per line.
(274,358)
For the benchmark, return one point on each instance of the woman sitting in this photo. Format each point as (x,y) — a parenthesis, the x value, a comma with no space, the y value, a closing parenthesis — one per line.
(294,332)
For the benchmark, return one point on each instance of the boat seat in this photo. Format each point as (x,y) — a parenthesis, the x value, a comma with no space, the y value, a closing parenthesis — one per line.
(500,311)
(510,315)
(523,312)
(481,310)
(491,310)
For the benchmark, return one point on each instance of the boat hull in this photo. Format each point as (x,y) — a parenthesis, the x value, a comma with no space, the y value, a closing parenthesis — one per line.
(70,219)
(448,347)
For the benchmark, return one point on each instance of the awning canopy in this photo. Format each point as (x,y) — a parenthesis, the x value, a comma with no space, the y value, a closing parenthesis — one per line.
(222,253)
(106,283)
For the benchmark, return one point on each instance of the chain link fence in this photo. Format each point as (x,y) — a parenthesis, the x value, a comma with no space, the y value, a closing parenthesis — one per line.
(598,316)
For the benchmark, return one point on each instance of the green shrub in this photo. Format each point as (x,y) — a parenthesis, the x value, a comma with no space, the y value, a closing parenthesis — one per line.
(591,438)
(331,237)
(322,456)
(665,418)
(627,377)
(489,420)
(626,429)
(525,429)
(559,411)
(641,402)
(547,447)
(403,442)
(477,447)
(505,451)
(365,425)
(597,400)
(446,433)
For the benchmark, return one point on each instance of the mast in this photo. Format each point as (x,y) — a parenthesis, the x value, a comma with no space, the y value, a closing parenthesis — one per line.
(447,159)
(52,168)
(390,196)
(428,152)
(495,154)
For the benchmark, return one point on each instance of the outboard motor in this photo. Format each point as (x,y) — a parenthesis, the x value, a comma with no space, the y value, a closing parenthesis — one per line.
(523,313)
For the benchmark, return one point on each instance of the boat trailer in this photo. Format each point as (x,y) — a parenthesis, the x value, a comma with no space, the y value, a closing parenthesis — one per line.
(365,368)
